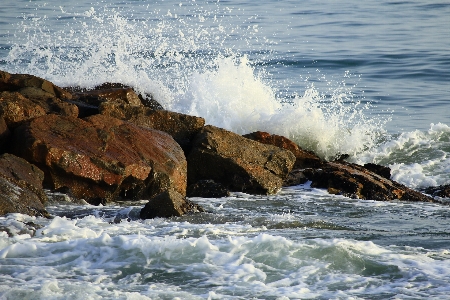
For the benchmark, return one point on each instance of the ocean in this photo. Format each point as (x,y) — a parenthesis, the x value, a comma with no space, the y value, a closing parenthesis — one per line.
(366,78)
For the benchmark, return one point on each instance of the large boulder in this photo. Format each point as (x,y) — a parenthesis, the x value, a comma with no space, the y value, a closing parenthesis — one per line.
(21,187)
(355,181)
(238,163)
(101,158)
(303,158)
(181,127)
(168,204)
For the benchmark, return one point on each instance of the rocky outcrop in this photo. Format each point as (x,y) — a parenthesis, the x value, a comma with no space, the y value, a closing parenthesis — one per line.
(168,204)
(181,127)
(21,187)
(358,182)
(101,158)
(303,158)
(238,163)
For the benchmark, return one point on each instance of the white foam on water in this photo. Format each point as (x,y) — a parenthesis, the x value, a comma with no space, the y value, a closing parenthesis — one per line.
(91,258)
(418,158)
(190,62)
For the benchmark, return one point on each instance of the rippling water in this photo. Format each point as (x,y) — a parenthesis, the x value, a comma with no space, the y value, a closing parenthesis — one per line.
(365,78)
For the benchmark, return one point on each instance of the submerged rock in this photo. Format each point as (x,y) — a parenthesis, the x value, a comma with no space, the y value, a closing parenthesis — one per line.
(102,159)
(240,164)
(168,204)
(21,187)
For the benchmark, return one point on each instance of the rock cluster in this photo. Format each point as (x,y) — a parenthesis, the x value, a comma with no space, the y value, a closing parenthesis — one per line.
(110,143)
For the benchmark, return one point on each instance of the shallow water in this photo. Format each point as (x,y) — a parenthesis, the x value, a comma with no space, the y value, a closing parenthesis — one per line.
(365,78)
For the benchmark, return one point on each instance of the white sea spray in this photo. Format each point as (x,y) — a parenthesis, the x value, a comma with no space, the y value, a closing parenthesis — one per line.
(190,62)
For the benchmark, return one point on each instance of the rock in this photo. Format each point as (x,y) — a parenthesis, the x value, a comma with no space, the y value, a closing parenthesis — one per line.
(15,82)
(49,97)
(240,164)
(5,135)
(442,191)
(168,204)
(98,96)
(181,127)
(113,92)
(21,187)
(295,177)
(304,159)
(380,170)
(207,189)
(358,182)
(102,159)
(15,109)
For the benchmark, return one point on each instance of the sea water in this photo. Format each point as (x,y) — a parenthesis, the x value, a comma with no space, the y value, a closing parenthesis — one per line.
(366,78)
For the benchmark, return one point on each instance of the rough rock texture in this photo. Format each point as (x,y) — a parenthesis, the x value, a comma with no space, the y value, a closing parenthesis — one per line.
(380,170)
(168,204)
(357,182)
(43,93)
(21,187)
(207,189)
(15,109)
(304,159)
(181,127)
(98,96)
(101,158)
(240,164)
(442,191)
(16,82)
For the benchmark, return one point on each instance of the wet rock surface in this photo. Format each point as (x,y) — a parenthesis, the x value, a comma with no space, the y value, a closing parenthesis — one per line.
(238,163)
(168,204)
(181,127)
(21,187)
(303,158)
(355,181)
(102,159)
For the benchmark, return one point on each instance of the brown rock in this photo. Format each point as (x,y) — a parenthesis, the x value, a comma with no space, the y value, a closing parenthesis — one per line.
(101,158)
(15,82)
(181,127)
(21,187)
(168,204)
(43,93)
(15,109)
(378,169)
(304,159)
(240,164)
(357,182)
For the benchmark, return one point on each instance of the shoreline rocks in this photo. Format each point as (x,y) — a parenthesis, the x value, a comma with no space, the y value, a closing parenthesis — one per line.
(110,143)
